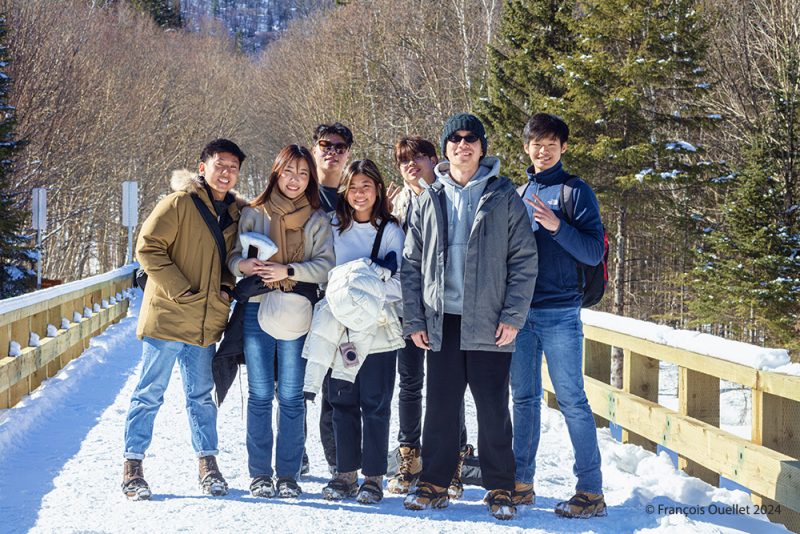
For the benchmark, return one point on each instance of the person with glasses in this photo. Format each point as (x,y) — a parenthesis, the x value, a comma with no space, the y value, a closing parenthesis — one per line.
(331,151)
(468,273)
(185,308)
(415,159)
(553,324)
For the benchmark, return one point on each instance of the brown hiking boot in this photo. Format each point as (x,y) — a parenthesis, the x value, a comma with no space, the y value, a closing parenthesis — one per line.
(211,480)
(134,485)
(427,496)
(523,494)
(341,486)
(583,505)
(409,468)
(500,504)
(456,489)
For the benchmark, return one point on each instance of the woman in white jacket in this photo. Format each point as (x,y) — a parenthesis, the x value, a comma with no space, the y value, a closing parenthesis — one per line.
(362,207)
(288,213)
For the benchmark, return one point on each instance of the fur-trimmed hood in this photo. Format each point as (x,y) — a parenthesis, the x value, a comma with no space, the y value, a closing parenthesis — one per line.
(190,182)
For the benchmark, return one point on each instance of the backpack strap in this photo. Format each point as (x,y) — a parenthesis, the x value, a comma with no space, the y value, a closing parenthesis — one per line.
(521,190)
(213,226)
(567,203)
(376,245)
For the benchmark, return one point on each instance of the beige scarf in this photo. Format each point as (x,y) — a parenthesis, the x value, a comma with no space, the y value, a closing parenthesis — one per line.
(287,219)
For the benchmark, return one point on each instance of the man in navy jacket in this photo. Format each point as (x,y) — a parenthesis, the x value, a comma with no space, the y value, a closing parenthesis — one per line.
(554,323)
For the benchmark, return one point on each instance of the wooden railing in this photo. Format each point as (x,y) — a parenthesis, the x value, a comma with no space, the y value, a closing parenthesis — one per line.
(767,464)
(72,314)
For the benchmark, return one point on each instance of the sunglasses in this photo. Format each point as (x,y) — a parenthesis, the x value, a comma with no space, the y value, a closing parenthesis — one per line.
(327,146)
(469,138)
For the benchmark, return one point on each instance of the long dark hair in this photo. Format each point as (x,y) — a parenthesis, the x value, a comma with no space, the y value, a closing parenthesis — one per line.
(288,154)
(380,210)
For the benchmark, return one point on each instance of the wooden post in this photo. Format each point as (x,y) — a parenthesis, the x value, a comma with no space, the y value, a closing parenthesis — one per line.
(597,364)
(640,378)
(698,397)
(775,426)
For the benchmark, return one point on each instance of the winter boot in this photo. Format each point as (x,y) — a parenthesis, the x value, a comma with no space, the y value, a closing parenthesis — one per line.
(305,467)
(371,491)
(523,493)
(456,489)
(288,488)
(409,468)
(134,485)
(211,480)
(261,486)
(342,486)
(583,505)
(500,504)
(426,496)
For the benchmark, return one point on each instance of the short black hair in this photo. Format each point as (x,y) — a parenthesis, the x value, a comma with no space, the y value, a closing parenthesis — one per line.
(221,145)
(545,125)
(408,147)
(337,128)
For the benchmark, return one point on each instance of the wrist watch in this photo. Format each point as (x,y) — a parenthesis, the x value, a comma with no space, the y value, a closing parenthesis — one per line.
(290,271)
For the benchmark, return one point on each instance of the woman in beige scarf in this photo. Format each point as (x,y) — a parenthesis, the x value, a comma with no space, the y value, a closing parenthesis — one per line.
(288,212)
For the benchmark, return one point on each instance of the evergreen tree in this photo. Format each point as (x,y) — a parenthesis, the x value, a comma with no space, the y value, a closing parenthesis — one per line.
(633,82)
(166,13)
(748,271)
(15,276)
(523,78)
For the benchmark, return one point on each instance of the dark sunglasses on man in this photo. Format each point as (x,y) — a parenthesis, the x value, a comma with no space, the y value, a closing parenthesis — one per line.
(327,146)
(469,138)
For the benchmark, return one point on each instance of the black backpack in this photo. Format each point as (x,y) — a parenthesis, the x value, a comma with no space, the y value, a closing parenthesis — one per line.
(592,278)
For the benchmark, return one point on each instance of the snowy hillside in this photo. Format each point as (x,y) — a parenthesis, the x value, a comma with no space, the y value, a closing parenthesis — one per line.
(61,461)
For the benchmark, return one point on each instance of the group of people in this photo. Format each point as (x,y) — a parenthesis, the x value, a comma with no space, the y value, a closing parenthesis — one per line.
(457,278)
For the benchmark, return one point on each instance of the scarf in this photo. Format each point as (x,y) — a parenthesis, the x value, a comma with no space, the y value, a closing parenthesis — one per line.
(287,219)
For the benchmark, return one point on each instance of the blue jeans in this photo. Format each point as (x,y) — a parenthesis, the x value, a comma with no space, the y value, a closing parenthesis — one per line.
(558,333)
(158,360)
(260,350)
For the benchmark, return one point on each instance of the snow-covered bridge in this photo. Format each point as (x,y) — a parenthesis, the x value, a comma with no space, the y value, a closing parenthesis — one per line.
(61,445)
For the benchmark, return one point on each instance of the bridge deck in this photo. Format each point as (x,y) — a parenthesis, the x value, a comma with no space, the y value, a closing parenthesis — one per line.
(61,460)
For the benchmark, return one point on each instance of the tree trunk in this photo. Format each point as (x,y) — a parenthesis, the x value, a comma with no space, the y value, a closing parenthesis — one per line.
(619,287)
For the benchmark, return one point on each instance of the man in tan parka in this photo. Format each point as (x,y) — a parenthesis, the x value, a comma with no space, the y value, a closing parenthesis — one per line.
(184,309)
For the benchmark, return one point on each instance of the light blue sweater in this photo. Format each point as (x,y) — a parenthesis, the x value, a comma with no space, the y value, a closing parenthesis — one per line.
(462,205)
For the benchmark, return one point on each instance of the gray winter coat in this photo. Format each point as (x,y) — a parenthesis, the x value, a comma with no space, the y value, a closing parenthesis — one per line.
(501,268)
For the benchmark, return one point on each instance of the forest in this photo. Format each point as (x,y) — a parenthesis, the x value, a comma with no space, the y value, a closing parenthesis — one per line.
(683,114)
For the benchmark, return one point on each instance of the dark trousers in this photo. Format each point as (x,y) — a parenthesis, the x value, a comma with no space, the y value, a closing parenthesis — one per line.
(326,424)
(411,368)
(449,372)
(367,401)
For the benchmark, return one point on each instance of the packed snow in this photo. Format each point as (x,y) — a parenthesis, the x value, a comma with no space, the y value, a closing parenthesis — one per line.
(61,459)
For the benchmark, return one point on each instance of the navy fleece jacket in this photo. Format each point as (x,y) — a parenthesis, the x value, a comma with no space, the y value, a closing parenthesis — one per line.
(581,241)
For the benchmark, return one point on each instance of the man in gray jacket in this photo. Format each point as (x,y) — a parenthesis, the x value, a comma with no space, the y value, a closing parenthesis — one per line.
(468,274)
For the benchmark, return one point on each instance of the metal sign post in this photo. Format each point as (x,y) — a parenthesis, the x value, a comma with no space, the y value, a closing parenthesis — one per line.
(39,208)
(130,213)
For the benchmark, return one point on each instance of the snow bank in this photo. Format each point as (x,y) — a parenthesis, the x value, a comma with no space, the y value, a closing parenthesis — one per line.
(776,360)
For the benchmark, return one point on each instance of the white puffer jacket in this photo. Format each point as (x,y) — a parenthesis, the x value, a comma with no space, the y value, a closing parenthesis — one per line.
(354,309)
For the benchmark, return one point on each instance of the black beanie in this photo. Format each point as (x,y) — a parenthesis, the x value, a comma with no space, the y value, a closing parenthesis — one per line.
(463,121)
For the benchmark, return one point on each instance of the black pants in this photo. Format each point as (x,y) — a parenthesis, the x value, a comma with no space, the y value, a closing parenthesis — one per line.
(369,401)
(326,424)
(449,372)
(411,368)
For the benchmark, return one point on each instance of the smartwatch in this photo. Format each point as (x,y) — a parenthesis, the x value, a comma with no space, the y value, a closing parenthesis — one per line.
(290,271)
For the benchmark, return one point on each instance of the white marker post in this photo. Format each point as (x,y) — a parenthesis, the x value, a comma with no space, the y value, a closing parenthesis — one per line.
(130,213)
(39,208)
